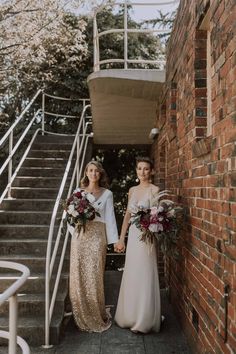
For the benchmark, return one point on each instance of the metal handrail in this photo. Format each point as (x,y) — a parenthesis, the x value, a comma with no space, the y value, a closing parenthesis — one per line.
(19,165)
(12,150)
(11,295)
(97,35)
(19,141)
(51,254)
(80,141)
(9,134)
(17,121)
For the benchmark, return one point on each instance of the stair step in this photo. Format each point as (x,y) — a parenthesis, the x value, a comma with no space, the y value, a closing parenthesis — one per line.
(52,146)
(24,228)
(26,217)
(41,193)
(52,139)
(34,284)
(44,162)
(64,154)
(34,304)
(35,247)
(38,182)
(43,172)
(28,204)
(31,328)
(25,231)
(36,264)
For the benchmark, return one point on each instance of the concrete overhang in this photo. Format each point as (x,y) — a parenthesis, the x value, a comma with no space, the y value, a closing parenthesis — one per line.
(124,104)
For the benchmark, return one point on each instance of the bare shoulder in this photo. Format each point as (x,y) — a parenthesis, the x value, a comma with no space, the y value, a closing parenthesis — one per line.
(155,189)
(131,190)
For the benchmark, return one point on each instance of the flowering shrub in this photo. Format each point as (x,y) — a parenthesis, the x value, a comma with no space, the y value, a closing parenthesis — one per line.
(79,208)
(161,221)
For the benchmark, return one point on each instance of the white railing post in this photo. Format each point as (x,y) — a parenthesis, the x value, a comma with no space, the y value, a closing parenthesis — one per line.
(11,295)
(126,31)
(51,253)
(77,157)
(125,36)
(13,324)
(10,164)
(96,58)
(47,306)
(43,113)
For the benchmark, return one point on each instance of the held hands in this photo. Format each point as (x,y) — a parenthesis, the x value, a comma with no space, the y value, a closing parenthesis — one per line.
(119,246)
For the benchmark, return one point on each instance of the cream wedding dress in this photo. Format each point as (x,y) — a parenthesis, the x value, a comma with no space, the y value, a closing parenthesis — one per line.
(138,305)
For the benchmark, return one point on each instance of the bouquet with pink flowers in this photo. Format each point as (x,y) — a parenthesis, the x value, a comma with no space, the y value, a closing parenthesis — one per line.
(79,208)
(161,221)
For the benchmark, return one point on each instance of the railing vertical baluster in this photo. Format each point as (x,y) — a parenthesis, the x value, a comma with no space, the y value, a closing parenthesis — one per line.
(77,157)
(125,36)
(10,164)
(10,294)
(13,324)
(43,113)
(96,59)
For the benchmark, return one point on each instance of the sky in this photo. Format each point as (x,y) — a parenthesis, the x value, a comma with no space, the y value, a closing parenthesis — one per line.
(143,12)
(147,12)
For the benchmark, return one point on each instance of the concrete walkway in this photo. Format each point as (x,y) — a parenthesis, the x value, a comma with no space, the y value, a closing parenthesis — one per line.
(170,340)
(122,341)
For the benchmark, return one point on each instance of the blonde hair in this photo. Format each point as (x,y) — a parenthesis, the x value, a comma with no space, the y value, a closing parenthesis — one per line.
(103,181)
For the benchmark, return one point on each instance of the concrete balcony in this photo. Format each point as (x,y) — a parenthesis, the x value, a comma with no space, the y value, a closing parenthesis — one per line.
(124,104)
(124,101)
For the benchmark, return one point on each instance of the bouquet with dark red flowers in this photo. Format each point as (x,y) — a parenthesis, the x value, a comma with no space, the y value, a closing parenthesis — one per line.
(79,208)
(161,221)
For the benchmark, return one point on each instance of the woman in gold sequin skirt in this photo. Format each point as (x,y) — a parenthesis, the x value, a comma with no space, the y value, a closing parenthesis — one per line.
(88,254)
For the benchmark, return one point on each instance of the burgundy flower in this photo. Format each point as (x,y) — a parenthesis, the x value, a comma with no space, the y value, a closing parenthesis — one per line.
(145,222)
(78,195)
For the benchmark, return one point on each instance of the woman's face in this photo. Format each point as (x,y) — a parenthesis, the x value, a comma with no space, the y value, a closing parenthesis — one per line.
(143,171)
(93,173)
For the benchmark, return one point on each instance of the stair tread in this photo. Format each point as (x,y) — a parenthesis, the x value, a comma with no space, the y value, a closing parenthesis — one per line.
(44,167)
(50,150)
(33,275)
(46,158)
(25,225)
(24,256)
(25,212)
(28,200)
(26,321)
(38,297)
(35,188)
(28,240)
(38,177)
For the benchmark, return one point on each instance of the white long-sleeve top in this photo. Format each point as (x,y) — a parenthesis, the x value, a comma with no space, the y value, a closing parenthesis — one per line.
(104,206)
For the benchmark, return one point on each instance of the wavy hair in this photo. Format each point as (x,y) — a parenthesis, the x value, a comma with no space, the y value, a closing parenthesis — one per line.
(103,181)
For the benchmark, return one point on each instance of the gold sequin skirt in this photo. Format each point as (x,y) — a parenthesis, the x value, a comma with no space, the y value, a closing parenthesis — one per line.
(87,266)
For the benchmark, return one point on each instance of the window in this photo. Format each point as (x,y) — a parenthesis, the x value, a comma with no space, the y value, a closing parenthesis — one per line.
(205,26)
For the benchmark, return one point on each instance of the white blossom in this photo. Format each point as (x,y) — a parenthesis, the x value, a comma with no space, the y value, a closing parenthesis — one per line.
(155,227)
(90,197)
(71,209)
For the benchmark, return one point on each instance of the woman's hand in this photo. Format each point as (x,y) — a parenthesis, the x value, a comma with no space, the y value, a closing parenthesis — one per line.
(119,246)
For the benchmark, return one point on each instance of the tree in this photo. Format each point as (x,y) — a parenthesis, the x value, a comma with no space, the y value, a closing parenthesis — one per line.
(39,41)
(119,164)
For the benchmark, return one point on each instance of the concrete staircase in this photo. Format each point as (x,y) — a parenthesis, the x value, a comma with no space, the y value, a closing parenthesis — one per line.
(24,227)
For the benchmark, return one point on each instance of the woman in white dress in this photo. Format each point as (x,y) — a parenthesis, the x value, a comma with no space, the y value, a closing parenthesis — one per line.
(88,255)
(138,305)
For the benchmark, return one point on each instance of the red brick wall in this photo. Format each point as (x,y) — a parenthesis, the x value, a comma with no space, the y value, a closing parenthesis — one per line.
(200,171)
